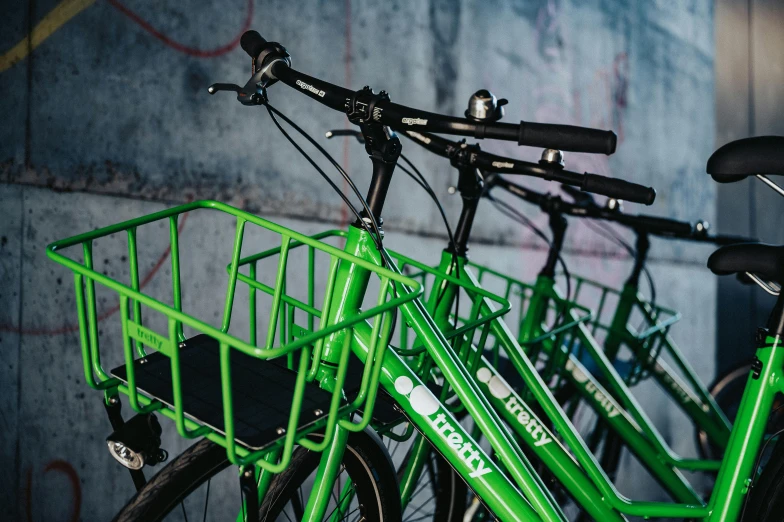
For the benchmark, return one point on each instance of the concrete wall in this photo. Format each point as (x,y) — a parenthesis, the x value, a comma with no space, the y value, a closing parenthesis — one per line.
(106,120)
(749,92)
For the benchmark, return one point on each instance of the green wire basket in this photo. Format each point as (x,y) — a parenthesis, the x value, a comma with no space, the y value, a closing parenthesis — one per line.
(544,323)
(466,324)
(644,332)
(467,335)
(285,347)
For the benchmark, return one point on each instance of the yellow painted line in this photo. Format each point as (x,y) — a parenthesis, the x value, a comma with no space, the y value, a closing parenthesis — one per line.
(50,23)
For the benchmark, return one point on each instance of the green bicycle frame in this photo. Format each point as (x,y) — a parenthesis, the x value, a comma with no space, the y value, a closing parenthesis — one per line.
(510,488)
(616,405)
(734,470)
(530,502)
(691,396)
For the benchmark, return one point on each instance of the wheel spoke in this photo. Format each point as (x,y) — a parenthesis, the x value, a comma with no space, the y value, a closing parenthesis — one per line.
(397,445)
(297,505)
(339,502)
(352,511)
(206,500)
(426,515)
(419,489)
(423,504)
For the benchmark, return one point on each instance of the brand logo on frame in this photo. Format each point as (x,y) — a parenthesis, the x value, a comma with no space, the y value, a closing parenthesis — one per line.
(500,390)
(306,87)
(602,398)
(413,121)
(421,137)
(424,403)
(677,388)
(149,338)
(503,165)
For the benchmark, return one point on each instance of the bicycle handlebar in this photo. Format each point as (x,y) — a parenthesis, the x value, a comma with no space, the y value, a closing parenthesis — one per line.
(272,63)
(658,226)
(492,163)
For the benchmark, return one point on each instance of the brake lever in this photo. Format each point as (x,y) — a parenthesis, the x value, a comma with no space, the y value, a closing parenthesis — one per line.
(345,132)
(250,94)
(215,87)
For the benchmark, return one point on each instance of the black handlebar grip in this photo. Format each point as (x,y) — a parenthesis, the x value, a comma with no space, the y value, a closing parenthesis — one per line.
(618,189)
(252,43)
(661,226)
(567,137)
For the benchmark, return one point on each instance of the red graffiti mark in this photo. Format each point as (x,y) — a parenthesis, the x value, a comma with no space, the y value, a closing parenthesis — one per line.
(104,315)
(190,51)
(60,466)
(620,88)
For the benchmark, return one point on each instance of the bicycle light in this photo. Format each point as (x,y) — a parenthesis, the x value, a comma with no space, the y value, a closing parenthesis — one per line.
(137,442)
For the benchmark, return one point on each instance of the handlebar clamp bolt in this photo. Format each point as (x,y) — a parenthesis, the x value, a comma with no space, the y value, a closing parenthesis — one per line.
(614,204)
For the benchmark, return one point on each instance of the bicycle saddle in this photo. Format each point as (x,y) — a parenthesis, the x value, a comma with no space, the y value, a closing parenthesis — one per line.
(747,157)
(766,261)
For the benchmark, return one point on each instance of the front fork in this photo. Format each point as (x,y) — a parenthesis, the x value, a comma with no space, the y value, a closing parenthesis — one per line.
(328,470)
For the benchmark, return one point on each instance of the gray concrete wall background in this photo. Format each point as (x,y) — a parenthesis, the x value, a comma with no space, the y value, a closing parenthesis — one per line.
(152,131)
(749,92)
(104,108)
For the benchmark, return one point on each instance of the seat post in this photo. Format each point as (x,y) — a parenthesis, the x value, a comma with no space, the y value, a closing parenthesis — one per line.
(776,318)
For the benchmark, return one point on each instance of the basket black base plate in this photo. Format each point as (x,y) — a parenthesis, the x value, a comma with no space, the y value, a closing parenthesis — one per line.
(262,391)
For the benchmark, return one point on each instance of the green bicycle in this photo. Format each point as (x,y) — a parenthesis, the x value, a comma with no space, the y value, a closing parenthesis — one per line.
(319,421)
(649,343)
(624,414)
(173,379)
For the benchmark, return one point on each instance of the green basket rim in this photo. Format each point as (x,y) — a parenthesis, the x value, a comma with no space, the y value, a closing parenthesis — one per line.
(503,303)
(415,289)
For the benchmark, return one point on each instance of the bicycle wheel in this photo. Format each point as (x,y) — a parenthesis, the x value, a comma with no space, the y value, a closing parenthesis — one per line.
(727,391)
(766,498)
(439,494)
(365,465)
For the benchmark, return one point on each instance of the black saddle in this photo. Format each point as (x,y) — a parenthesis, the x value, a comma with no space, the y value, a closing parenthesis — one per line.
(766,261)
(747,157)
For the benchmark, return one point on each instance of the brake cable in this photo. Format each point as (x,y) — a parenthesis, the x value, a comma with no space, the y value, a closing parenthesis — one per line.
(515,215)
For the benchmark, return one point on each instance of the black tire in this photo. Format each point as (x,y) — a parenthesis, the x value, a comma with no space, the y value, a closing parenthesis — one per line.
(727,390)
(368,465)
(366,462)
(174,482)
(766,498)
